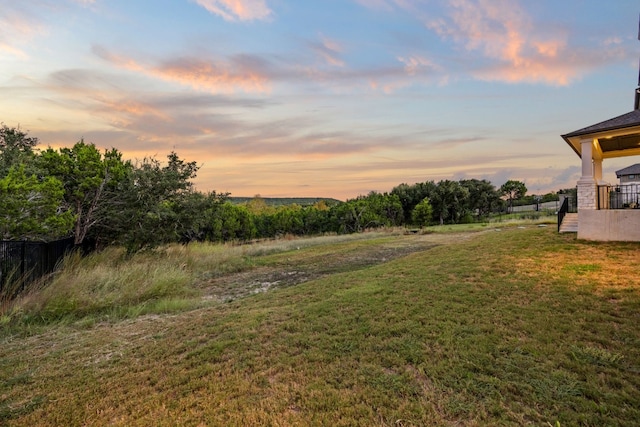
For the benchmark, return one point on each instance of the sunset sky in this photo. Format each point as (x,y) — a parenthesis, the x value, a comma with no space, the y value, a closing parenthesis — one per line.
(324,98)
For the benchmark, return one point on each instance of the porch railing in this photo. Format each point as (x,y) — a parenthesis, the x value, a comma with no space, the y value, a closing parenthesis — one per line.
(624,196)
(569,205)
(562,212)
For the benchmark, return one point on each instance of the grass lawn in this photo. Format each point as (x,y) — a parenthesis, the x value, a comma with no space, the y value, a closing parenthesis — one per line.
(521,326)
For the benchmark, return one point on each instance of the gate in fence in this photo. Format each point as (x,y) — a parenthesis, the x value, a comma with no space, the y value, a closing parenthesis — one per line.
(23,262)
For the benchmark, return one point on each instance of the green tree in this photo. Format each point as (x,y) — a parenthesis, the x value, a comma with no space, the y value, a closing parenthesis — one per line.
(146,207)
(316,218)
(449,201)
(422,213)
(231,222)
(483,198)
(288,220)
(29,207)
(16,148)
(85,173)
(513,190)
(193,213)
(258,206)
(569,192)
(370,211)
(351,216)
(410,195)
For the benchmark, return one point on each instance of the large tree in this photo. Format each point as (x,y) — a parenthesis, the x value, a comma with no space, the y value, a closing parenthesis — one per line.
(370,211)
(85,173)
(230,222)
(29,207)
(513,190)
(483,196)
(411,195)
(146,207)
(16,149)
(449,201)
(193,214)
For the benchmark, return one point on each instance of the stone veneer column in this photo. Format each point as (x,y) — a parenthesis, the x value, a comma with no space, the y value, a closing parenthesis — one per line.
(587,187)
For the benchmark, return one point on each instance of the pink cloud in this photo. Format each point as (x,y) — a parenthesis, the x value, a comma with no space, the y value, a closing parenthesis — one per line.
(213,77)
(503,32)
(240,73)
(501,40)
(23,21)
(413,64)
(549,48)
(12,51)
(329,50)
(242,10)
(17,26)
(122,112)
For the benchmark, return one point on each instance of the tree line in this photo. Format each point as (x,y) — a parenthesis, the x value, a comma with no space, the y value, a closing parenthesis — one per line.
(96,196)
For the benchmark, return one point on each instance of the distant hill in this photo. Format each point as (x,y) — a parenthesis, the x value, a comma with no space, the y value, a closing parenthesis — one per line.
(284,201)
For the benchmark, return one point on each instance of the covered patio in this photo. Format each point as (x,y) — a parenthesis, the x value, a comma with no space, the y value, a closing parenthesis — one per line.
(603,213)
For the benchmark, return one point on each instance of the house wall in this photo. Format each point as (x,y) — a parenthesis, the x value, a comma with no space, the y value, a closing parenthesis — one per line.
(622,225)
(630,179)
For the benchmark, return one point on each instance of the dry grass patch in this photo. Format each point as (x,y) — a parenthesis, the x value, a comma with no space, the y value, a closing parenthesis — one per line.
(601,267)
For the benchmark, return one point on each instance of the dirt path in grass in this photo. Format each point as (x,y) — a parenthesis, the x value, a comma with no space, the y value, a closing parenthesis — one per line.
(291,270)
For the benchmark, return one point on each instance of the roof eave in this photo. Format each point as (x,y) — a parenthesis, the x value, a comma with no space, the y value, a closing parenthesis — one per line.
(576,147)
(574,139)
(580,132)
(618,123)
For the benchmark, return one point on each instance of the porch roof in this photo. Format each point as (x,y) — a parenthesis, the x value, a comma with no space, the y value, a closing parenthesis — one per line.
(616,137)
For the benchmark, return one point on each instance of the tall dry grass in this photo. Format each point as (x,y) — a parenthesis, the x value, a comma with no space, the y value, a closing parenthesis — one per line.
(113,285)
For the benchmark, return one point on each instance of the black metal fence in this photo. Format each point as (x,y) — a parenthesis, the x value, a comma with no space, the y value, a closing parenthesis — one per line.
(564,209)
(625,196)
(22,262)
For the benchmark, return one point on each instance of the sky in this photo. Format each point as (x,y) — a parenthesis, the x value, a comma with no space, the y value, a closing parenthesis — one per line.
(324,98)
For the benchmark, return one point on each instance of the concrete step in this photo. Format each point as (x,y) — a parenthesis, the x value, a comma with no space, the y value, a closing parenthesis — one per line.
(569,223)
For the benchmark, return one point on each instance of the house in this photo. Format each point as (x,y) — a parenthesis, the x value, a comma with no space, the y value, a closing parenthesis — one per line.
(606,212)
(629,175)
(627,193)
